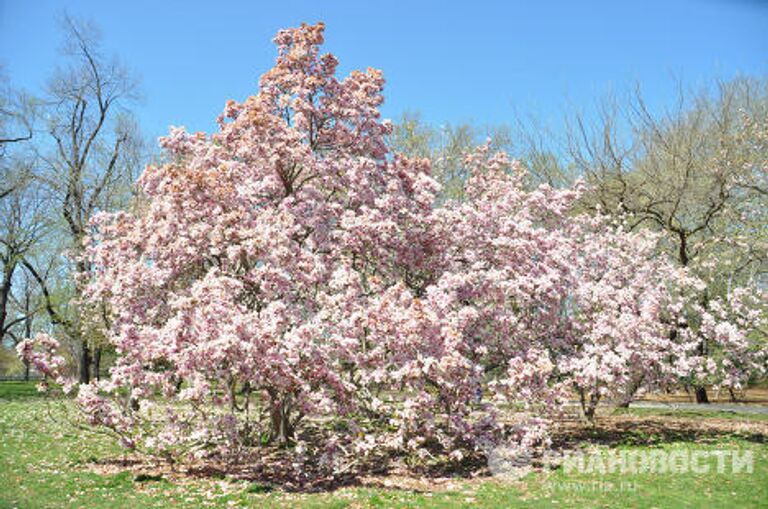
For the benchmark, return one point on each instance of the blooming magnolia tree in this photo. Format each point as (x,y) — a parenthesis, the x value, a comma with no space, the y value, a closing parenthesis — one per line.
(221,285)
(727,336)
(621,338)
(288,272)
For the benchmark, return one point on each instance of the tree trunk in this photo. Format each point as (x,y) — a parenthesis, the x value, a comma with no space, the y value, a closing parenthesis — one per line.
(85,364)
(633,386)
(281,430)
(589,413)
(701,395)
(588,408)
(5,292)
(27,333)
(97,363)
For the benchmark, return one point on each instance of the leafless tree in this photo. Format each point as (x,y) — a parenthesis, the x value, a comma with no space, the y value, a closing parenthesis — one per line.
(92,160)
(23,223)
(17,115)
(689,172)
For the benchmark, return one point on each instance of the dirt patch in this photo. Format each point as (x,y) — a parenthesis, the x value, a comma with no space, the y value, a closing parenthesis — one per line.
(405,480)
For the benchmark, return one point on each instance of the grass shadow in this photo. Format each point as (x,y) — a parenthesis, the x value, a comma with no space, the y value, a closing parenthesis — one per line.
(614,432)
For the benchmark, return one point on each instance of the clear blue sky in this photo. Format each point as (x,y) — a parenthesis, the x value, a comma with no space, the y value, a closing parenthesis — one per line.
(453,61)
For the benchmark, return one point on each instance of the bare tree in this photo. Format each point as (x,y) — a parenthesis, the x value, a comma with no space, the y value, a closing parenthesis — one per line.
(541,150)
(689,172)
(17,114)
(22,225)
(93,159)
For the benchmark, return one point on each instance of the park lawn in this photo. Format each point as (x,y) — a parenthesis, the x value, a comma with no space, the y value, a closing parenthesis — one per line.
(44,463)
(19,390)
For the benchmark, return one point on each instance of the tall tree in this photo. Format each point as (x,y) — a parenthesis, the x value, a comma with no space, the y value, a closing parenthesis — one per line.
(21,223)
(93,157)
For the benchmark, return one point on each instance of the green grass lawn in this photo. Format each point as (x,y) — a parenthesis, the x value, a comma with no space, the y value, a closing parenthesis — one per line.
(44,464)
(19,390)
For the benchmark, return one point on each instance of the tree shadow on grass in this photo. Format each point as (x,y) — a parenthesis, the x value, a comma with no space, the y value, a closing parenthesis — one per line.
(619,431)
(270,469)
(384,473)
